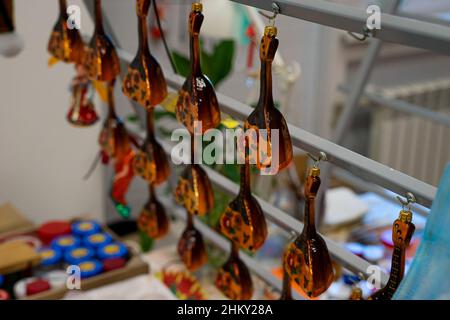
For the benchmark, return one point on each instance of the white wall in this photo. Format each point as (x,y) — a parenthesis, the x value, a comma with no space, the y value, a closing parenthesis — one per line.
(43,158)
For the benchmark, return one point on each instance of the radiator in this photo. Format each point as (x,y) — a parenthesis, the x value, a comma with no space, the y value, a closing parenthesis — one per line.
(409,143)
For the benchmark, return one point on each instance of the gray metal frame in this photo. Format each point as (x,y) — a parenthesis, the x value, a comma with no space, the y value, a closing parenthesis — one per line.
(401,30)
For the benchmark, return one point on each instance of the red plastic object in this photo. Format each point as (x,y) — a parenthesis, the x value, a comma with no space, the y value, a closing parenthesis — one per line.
(37,286)
(4,295)
(53,229)
(113,264)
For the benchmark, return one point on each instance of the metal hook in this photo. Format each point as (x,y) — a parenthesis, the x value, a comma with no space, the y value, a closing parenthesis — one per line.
(275,11)
(367,33)
(410,198)
(322,157)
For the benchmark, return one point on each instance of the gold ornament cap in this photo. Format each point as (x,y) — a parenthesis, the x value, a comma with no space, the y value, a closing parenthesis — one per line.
(270,31)
(197,6)
(314,172)
(405,216)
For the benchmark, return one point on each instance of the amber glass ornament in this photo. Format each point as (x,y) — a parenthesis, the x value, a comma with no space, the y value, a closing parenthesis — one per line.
(101,61)
(153,219)
(82,112)
(243,221)
(356,294)
(6,16)
(307,260)
(286,291)
(144,82)
(191,247)
(65,44)
(197,100)
(115,143)
(150,161)
(194,190)
(402,232)
(233,278)
(267,117)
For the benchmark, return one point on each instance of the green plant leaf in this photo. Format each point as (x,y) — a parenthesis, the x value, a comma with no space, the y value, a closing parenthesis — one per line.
(182,63)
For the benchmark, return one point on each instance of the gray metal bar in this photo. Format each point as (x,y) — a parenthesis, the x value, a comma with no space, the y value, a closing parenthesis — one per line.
(395,29)
(406,107)
(224,244)
(370,187)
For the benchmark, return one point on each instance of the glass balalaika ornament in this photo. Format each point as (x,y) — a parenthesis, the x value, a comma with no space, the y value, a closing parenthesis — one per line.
(286,291)
(243,221)
(356,294)
(194,190)
(115,143)
(233,278)
(144,82)
(197,100)
(269,154)
(307,260)
(150,161)
(402,232)
(191,247)
(153,219)
(66,44)
(82,112)
(7,16)
(101,60)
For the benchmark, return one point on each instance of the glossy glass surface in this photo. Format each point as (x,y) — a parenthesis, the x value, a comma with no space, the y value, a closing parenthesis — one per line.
(65,44)
(144,81)
(243,221)
(233,278)
(191,247)
(153,219)
(101,60)
(197,99)
(307,260)
(151,161)
(267,117)
(402,232)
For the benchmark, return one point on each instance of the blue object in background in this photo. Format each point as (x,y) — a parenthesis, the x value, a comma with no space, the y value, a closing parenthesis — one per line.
(65,243)
(97,240)
(50,256)
(85,228)
(2,280)
(90,268)
(428,277)
(112,250)
(78,255)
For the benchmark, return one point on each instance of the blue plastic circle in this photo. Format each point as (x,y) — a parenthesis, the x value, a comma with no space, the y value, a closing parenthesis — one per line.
(112,250)
(77,255)
(90,268)
(85,228)
(65,243)
(97,240)
(50,256)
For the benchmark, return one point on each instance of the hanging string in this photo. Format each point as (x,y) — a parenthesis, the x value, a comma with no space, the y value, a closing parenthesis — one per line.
(163,37)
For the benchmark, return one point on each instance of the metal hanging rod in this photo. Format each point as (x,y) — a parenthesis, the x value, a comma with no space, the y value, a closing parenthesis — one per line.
(396,29)
(404,106)
(355,163)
